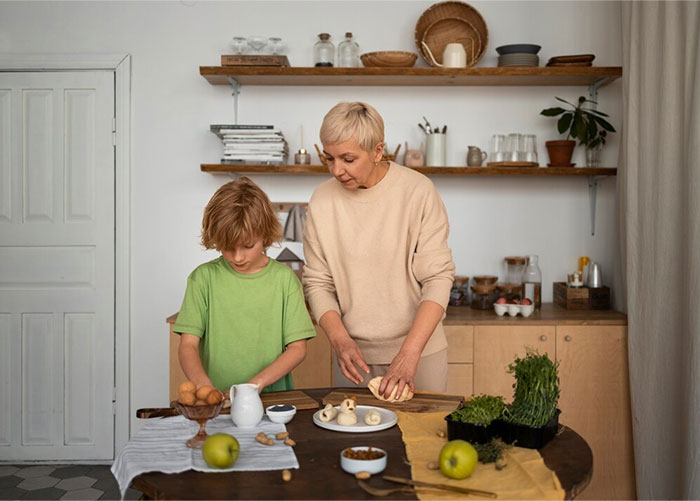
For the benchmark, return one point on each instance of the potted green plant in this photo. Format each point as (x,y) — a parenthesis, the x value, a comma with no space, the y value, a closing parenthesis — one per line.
(477,421)
(533,418)
(583,123)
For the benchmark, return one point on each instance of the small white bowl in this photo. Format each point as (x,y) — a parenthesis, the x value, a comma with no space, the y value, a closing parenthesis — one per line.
(280,416)
(372,466)
(513,309)
(500,308)
(526,309)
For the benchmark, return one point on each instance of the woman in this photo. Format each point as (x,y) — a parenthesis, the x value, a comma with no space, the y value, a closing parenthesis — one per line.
(378,270)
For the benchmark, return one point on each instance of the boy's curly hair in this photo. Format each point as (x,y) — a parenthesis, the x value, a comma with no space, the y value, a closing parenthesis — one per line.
(239,213)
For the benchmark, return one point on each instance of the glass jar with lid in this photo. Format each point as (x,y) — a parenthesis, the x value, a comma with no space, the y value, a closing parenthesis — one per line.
(324,51)
(349,53)
(515,265)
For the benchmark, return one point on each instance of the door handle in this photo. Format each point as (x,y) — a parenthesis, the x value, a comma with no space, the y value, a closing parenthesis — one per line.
(567,338)
(543,337)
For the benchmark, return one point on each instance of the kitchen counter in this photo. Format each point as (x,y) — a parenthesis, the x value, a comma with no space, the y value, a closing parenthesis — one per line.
(549,314)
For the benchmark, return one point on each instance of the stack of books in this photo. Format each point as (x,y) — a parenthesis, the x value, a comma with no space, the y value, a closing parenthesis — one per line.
(252,144)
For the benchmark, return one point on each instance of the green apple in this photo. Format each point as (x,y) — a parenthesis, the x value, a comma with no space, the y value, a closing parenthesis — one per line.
(220,450)
(458,459)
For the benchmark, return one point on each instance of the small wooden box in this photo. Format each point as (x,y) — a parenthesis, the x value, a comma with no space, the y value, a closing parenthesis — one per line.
(581,298)
(254,60)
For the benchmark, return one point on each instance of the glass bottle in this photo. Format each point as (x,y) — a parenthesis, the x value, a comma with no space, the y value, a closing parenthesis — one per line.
(324,51)
(348,52)
(532,281)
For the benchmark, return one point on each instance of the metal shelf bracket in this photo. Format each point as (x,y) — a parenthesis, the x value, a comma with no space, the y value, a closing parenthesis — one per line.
(592,195)
(236,91)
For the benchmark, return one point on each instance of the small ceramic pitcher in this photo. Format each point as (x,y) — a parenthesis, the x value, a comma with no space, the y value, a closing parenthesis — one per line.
(246,406)
(475,156)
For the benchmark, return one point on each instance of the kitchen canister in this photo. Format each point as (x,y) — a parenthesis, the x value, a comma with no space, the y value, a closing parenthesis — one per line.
(435,150)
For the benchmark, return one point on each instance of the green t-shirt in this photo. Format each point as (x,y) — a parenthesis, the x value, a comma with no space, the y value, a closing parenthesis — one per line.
(244,321)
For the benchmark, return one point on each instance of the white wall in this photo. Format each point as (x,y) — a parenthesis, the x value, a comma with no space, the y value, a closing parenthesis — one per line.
(173,107)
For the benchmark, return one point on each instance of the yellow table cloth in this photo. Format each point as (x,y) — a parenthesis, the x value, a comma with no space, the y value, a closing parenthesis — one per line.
(524,477)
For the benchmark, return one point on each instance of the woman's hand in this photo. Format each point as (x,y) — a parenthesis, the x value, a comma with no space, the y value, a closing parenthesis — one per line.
(346,350)
(350,358)
(401,373)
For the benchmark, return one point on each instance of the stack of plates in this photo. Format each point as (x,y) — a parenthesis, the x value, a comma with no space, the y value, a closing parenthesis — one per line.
(522,54)
(519,60)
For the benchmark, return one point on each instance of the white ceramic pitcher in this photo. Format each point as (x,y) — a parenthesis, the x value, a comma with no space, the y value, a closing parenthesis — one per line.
(246,406)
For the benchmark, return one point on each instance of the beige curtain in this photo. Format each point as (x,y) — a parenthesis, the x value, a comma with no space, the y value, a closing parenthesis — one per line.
(659,194)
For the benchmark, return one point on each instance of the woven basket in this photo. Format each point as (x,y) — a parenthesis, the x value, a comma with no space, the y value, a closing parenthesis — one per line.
(446,22)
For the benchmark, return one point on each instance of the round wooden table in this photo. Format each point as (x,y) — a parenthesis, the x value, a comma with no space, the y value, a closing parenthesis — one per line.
(319,475)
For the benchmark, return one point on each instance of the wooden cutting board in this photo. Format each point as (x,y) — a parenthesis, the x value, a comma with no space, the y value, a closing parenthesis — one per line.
(422,401)
(297,398)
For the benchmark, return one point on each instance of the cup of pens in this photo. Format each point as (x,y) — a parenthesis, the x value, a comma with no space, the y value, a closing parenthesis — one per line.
(435,144)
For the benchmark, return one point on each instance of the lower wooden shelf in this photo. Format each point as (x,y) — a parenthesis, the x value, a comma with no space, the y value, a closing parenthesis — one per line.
(432,171)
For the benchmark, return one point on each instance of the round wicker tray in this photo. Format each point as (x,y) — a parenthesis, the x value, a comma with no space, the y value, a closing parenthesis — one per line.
(451,21)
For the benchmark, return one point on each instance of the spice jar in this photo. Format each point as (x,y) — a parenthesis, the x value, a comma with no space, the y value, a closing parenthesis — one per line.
(483,296)
(324,51)
(458,294)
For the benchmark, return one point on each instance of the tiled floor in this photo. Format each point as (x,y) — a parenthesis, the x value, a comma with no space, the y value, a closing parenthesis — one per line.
(60,482)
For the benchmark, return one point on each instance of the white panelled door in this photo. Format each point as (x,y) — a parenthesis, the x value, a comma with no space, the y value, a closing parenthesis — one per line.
(56,265)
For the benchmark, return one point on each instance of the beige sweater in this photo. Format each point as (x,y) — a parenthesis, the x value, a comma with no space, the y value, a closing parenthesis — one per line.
(374,254)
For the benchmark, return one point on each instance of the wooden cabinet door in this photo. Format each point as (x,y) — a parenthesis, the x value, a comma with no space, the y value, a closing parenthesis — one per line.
(315,370)
(496,346)
(595,402)
(460,358)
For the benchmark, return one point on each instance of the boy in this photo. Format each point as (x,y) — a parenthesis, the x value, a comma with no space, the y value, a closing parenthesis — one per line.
(243,318)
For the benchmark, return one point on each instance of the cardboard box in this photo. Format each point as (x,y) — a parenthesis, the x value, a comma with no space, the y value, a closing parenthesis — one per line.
(581,298)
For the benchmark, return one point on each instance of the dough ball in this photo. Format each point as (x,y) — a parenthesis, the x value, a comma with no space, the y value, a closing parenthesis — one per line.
(373,386)
(373,417)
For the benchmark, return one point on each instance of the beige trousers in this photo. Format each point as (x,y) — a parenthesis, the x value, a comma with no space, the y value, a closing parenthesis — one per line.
(431,374)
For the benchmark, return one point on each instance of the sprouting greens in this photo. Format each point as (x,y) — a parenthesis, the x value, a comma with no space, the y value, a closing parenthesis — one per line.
(480,410)
(536,390)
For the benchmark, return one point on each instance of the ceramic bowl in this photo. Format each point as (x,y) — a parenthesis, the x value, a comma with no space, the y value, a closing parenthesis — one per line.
(513,309)
(280,416)
(518,48)
(372,466)
(526,309)
(500,309)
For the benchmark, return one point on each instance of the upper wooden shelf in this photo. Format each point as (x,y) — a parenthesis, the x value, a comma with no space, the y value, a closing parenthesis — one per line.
(488,76)
(440,171)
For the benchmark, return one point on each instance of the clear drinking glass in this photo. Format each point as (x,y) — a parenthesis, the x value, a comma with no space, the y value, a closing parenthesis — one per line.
(497,147)
(257,43)
(530,148)
(277,46)
(512,147)
(239,45)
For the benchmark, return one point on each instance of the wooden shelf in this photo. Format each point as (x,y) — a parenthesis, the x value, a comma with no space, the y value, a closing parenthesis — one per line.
(437,171)
(532,76)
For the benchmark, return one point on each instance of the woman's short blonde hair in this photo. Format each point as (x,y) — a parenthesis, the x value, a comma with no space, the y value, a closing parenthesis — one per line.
(239,213)
(356,120)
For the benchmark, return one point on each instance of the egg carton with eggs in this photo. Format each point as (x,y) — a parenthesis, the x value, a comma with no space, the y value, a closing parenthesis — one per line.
(514,307)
